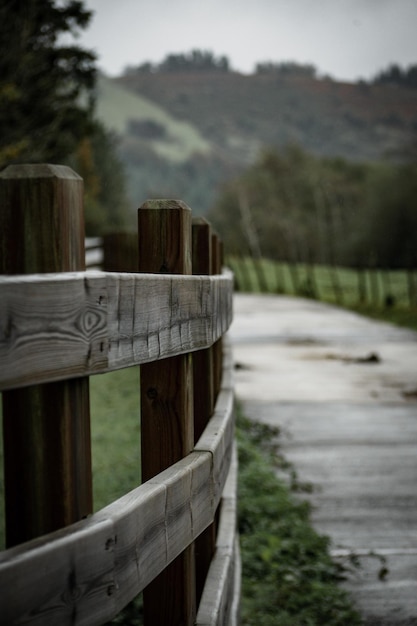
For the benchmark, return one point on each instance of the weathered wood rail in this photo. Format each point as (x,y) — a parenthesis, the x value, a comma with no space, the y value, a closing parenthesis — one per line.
(63,564)
(65,325)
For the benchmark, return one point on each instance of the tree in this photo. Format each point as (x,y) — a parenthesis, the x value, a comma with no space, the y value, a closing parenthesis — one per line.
(292,206)
(194,61)
(271,207)
(395,75)
(286,68)
(390,221)
(46,88)
(105,201)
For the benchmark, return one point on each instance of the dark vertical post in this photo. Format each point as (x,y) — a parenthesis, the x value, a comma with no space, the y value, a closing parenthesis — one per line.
(202,359)
(216,268)
(120,252)
(203,394)
(167,429)
(47,453)
(361,284)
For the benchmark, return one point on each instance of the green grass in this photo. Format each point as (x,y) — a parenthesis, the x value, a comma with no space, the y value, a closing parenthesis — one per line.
(401,316)
(365,293)
(115,434)
(288,577)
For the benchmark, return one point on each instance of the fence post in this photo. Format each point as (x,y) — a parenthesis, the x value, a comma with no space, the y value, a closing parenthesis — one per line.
(202,359)
(167,429)
(120,252)
(47,453)
(216,268)
(203,395)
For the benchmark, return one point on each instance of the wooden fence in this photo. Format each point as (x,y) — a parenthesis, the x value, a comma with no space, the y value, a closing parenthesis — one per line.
(174,536)
(360,286)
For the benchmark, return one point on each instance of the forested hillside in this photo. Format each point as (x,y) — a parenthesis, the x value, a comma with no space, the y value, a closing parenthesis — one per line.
(209,122)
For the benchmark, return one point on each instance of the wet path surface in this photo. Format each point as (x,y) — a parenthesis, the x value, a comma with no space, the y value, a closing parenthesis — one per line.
(343,390)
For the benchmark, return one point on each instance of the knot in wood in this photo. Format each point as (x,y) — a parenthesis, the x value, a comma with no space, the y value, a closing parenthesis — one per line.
(152,393)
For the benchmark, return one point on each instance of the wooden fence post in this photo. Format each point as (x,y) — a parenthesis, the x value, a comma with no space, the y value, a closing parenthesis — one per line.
(203,394)
(202,359)
(216,268)
(167,429)
(120,252)
(47,453)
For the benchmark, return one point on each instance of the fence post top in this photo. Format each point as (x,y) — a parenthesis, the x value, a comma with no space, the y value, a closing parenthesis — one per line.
(165,203)
(201,221)
(39,170)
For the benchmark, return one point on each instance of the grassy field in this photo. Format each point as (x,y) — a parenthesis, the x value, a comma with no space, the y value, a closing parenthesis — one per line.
(381,294)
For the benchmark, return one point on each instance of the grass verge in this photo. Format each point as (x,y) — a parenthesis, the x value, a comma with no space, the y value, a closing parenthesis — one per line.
(288,576)
(405,317)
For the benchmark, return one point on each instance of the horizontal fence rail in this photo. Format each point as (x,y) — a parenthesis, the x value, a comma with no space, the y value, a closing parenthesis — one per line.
(95,567)
(94,254)
(220,600)
(174,537)
(59,326)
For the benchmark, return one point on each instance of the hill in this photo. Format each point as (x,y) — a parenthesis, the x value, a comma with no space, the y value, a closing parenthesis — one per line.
(129,113)
(183,133)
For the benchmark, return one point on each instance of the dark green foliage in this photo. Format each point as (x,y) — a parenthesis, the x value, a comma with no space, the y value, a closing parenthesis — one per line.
(395,75)
(106,206)
(47,104)
(286,69)
(294,207)
(194,61)
(390,220)
(290,206)
(288,576)
(42,81)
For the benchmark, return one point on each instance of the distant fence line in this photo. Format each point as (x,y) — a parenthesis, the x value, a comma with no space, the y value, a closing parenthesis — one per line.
(342,285)
(174,537)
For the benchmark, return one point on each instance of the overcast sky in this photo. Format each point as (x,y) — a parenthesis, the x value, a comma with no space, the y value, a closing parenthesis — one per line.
(348,39)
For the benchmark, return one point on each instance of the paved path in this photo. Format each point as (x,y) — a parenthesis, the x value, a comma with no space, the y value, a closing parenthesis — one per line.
(343,390)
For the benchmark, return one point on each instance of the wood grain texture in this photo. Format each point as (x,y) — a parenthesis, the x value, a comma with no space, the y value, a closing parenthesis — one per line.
(218,437)
(120,252)
(92,569)
(46,428)
(66,325)
(47,457)
(203,381)
(167,422)
(41,226)
(163,227)
(202,359)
